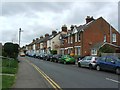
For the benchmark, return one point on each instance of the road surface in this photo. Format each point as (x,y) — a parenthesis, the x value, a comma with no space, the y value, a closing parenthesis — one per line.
(71,76)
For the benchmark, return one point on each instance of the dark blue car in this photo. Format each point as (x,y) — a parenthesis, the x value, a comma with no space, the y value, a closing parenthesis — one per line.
(110,63)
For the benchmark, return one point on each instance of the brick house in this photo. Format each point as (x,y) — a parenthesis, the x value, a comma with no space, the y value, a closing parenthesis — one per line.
(30,47)
(88,38)
(53,42)
(63,40)
(41,44)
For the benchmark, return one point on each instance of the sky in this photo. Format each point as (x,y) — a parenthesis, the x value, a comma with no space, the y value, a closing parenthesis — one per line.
(37,18)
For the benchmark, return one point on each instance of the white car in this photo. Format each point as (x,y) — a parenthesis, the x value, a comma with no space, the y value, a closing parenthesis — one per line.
(88,61)
(22,54)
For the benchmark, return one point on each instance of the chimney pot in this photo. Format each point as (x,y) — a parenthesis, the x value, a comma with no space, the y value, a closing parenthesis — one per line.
(89,19)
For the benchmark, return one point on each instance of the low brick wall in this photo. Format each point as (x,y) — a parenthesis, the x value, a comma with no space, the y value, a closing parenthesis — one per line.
(112,54)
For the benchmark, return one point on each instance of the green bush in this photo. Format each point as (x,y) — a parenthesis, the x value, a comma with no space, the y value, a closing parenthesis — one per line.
(53,52)
(10,50)
(76,56)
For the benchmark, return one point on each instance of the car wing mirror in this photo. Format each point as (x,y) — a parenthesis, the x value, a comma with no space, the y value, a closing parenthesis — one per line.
(113,62)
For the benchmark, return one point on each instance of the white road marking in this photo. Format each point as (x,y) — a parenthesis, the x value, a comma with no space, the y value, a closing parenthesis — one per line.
(112,80)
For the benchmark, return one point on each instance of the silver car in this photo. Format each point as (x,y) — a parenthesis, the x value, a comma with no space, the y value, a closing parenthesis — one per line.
(88,61)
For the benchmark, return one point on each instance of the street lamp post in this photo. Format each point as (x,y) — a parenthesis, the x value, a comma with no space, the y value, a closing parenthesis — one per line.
(20,35)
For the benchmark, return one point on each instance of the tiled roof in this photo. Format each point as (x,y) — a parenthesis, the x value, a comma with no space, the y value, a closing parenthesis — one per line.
(97,45)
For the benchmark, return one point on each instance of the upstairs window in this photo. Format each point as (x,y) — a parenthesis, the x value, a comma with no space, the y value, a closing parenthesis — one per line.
(71,39)
(68,39)
(93,52)
(113,37)
(104,38)
(78,37)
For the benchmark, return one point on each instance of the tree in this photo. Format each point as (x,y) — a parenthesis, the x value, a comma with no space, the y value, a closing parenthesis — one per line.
(16,50)
(11,50)
(53,51)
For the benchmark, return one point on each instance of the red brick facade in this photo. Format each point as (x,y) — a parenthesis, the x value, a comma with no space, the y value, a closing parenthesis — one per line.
(93,32)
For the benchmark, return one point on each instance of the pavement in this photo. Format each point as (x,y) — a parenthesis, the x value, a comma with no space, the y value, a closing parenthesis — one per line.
(28,77)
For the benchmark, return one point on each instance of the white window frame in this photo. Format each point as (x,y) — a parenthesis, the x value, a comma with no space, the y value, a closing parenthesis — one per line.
(78,50)
(71,37)
(105,38)
(68,39)
(93,52)
(113,37)
(76,37)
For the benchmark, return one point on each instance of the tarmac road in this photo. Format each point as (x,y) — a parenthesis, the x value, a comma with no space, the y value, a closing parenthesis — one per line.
(65,76)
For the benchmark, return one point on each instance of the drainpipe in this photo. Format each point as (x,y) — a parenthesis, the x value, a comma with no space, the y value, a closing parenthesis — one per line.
(110,35)
(82,40)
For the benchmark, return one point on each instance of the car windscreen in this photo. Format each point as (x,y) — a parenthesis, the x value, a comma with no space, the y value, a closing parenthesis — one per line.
(88,58)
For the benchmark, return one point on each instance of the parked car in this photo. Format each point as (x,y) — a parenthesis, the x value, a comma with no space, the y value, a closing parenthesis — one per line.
(56,57)
(37,55)
(67,59)
(88,61)
(110,63)
(41,56)
(79,58)
(48,57)
(22,54)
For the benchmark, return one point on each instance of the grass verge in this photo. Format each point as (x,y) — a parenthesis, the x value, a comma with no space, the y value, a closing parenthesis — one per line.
(7,81)
(9,70)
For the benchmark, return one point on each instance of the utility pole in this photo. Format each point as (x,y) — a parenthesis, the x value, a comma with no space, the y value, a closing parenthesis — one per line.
(20,35)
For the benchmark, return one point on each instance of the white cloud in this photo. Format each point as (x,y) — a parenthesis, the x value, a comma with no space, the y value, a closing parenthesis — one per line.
(36,19)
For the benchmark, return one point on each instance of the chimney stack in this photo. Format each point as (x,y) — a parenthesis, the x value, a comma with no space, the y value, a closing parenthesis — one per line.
(89,19)
(72,27)
(64,28)
(41,37)
(37,38)
(33,40)
(54,32)
(46,35)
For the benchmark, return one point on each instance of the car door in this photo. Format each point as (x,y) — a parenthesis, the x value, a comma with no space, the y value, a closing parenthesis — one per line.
(88,59)
(83,62)
(110,64)
(102,62)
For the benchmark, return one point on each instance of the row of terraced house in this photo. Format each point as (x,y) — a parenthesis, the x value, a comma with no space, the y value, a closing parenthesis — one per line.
(81,40)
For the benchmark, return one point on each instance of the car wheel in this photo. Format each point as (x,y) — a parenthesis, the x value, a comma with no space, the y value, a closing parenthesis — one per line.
(64,62)
(74,63)
(117,70)
(50,60)
(79,65)
(98,68)
(90,66)
(56,61)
